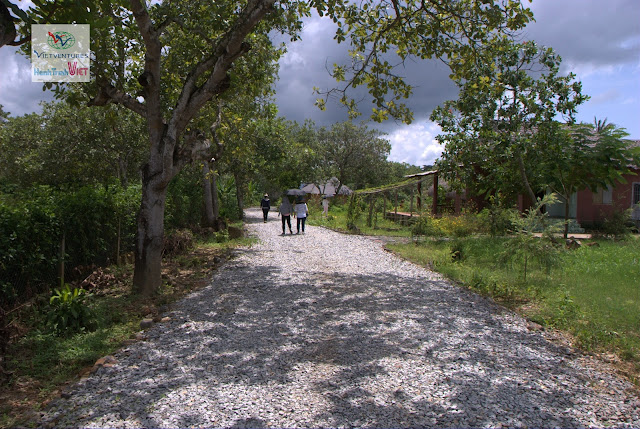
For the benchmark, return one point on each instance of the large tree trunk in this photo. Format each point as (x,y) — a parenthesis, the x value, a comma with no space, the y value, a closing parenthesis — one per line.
(211,202)
(207,78)
(147,275)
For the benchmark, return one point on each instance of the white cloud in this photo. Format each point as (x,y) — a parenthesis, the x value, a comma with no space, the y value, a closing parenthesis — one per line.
(415,144)
(18,95)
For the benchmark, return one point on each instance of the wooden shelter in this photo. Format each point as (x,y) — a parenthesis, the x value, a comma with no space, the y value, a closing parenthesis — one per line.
(413,182)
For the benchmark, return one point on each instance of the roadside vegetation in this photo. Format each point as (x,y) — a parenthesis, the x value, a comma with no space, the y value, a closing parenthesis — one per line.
(57,341)
(590,293)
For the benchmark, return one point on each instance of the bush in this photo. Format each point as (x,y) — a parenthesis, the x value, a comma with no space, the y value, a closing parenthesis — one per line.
(445,226)
(618,225)
(94,220)
(68,312)
(525,246)
(456,226)
(496,219)
(422,226)
(178,241)
(354,212)
(185,199)
(30,233)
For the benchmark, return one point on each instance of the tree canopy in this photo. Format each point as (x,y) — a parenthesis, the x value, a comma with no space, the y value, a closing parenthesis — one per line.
(496,132)
(166,61)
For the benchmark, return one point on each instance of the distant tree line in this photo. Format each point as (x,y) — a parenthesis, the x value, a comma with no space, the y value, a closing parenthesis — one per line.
(72,174)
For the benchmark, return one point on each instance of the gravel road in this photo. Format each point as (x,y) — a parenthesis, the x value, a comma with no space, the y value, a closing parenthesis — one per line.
(330,330)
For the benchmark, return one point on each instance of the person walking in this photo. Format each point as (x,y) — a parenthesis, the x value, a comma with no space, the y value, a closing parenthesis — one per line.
(265,205)
(301,211)
(285,211)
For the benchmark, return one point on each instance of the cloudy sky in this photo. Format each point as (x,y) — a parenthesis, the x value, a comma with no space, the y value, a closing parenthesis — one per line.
(598,41)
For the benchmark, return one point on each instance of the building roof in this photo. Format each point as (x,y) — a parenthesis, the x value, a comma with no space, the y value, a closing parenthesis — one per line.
(329,188)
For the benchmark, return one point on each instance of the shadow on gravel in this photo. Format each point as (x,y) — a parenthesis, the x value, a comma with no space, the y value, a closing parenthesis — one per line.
(443,361)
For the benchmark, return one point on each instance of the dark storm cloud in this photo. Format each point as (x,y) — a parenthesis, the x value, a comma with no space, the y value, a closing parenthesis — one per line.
(308,61)
(588,33)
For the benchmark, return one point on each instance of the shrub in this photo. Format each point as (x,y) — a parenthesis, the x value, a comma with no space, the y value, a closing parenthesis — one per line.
(457,226)
(427,225)
(618,225)
(68,312)
(421,226)
(496,219)
(354,212)
(525,246)
(178,241)
(97,222)
(29,245)
(445,226)
(185,199)
(222,236)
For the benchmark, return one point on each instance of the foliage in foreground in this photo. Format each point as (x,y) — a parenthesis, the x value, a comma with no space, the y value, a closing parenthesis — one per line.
(41,361)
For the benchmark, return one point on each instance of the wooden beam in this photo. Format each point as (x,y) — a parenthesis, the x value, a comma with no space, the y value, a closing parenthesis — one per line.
(434,209)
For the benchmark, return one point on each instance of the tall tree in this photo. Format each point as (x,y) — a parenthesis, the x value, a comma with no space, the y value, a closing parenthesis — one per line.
(219,34)
(70,145)
(504,103)
(354,154)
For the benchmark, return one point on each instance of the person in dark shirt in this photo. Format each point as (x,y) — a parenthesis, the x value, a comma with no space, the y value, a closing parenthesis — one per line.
(265,205)
(285,210)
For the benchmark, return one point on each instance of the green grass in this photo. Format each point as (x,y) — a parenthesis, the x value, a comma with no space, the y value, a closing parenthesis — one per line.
(593,292)
(337,220)
(54,360)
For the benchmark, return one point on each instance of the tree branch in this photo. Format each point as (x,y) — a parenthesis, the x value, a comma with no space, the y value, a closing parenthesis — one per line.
(227,49)
(108,93)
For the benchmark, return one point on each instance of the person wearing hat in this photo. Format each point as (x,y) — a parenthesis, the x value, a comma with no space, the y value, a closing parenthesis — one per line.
(265,205)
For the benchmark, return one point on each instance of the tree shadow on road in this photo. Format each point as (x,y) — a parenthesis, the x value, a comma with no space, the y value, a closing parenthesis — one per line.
(377,351)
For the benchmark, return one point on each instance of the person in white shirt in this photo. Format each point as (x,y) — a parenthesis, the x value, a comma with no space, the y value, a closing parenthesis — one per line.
(301,212)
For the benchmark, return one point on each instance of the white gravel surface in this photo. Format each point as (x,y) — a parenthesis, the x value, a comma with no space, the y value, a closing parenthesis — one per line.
(330,330)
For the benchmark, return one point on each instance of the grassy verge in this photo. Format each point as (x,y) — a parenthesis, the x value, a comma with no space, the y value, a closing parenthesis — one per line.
(337,220)
(591,292)
(41,364)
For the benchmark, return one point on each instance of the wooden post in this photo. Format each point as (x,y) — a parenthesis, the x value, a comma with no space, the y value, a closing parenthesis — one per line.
(118,241)
(396,218)
(370,218)
(434,210)
(411,205)
(384,205)
(458,204)
(419,200)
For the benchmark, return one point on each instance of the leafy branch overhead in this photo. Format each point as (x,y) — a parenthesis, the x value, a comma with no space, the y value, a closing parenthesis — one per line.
(384,35)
